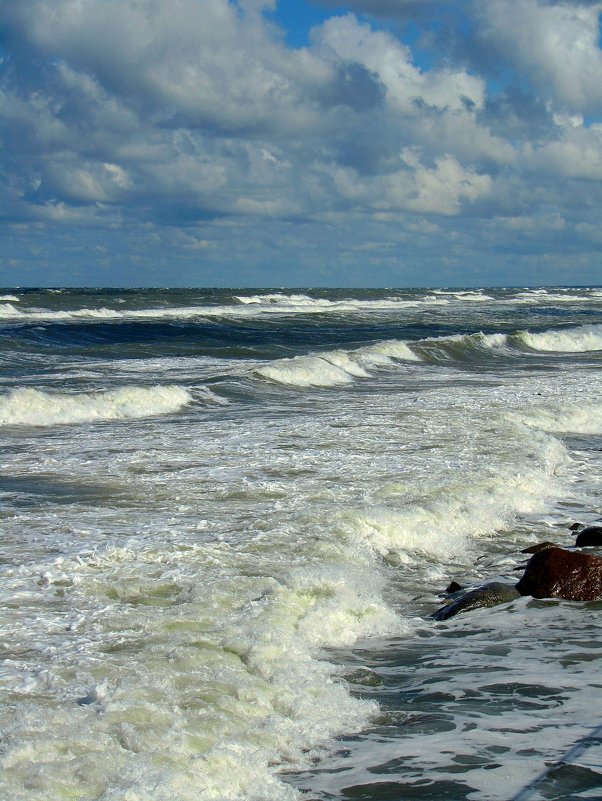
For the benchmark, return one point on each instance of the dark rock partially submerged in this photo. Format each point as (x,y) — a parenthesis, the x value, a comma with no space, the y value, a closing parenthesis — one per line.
(557,573)
(589,537)
(488,595)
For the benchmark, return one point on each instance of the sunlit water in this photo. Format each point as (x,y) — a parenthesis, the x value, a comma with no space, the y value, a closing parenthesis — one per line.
(227,517)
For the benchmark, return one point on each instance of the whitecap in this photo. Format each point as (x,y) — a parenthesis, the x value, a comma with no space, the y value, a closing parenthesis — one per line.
(333,368)
(566,340)
(34,407)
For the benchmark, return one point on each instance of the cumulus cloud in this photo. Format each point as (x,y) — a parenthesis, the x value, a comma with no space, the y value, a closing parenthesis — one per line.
(408,89)
(554,45)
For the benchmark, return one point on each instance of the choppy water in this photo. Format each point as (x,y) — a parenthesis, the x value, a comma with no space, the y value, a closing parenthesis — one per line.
(228,515)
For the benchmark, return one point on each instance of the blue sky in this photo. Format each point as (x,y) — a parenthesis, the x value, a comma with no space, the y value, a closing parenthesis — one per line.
(298,143)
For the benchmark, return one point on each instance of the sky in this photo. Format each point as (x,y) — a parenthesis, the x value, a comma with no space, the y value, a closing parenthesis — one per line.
(298,143)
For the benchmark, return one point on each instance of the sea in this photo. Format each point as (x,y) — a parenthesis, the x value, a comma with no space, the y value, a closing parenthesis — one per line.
(227,517)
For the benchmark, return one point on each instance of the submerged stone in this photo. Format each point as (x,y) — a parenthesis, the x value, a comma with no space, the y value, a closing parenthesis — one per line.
(488,595)
(540,546)
(589,537)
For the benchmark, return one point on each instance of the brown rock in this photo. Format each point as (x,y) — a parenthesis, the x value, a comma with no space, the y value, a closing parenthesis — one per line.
(556,573)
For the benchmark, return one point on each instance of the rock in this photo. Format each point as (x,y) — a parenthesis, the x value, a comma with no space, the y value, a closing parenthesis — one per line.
(589,537)
(540,546)
(557,573)
(576,526)
(453,587)
(487,595)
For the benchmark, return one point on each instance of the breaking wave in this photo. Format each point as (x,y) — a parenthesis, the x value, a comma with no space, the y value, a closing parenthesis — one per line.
(33,407)
(568,340)
(337,367)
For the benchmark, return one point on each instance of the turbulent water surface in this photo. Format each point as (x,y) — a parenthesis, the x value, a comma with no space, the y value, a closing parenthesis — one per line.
(227,517)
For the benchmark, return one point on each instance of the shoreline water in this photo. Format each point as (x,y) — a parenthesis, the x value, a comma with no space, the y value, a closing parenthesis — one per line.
(227,516)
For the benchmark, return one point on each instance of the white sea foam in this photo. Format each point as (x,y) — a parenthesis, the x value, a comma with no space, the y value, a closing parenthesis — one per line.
(8,311)
(276,297)
(476,295)
(566,340)
(11,298)
(576,417)
(333,368)
(555,296)
(472,504)
(33,407)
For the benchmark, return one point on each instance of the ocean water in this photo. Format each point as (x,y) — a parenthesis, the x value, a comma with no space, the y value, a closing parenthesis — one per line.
(226,519)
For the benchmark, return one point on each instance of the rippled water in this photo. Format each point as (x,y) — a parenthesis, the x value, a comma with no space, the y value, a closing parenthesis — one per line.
(228,515)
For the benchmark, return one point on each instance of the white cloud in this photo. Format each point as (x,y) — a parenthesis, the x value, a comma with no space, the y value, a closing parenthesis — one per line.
(576,153)
(556,45)
(407,87)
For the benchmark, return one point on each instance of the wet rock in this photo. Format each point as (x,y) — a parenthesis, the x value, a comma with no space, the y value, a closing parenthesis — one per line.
(576,526)
(557,573)
(453,587)
(540,546)
(589,537)
(488,595)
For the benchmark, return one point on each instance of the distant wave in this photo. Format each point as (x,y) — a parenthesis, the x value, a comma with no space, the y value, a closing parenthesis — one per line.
(252,306)
(282,304)
(32,407)
(338,367)
(464,295)
(568,295)
(281,301)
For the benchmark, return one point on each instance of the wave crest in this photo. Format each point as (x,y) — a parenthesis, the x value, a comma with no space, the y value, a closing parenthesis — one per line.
(33,407)
(333,368)
(569,340)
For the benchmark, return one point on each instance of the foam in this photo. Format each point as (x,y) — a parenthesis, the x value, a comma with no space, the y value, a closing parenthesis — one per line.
(474,504)
(276,297)
(556,296)
(566,418)
(11,298)
(33,407)
(8,311)
(469,296)
(206,698)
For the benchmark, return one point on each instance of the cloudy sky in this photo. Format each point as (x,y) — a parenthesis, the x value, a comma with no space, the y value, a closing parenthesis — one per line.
(300,142)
